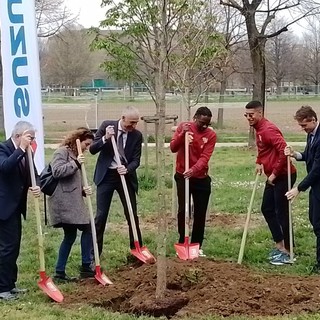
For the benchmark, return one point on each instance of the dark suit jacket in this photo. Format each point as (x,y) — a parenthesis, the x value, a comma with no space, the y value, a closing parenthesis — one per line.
(311,155)
(14,180)
(132,152)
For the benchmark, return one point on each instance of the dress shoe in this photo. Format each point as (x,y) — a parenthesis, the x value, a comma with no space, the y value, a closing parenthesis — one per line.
(7,296)
(18,290)
(315,269)
(62,277)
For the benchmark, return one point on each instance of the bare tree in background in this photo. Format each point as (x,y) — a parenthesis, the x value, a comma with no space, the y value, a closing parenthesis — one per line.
(258,15)
(52,16)
(279,57)
(196,47)
(311,53)
(67,59)
(231,26)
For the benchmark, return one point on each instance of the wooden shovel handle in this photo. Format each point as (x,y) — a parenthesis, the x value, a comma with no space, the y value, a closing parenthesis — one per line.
(125,189)
(246,226)
(186,186)
(290,210)
(37,211)
(89,202)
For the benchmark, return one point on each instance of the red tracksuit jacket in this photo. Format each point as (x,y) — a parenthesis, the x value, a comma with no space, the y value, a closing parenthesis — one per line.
(271,144)
(200,149)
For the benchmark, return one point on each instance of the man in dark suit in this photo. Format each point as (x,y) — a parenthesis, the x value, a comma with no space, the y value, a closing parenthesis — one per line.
(308,121)
(107,173)
(14,185)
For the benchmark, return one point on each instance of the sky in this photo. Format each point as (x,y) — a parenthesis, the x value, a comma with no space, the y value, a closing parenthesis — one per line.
(90,12)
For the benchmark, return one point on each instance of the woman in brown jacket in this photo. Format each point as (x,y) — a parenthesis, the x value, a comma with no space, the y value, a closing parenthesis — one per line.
(67,209)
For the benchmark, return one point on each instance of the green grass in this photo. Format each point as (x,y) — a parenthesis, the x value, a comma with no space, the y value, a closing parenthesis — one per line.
(232,172)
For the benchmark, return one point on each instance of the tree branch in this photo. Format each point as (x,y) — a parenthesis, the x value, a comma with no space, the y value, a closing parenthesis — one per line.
(232,4)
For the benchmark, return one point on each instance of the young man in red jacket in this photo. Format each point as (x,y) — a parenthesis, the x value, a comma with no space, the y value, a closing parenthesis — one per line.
(202,141)
(272,161)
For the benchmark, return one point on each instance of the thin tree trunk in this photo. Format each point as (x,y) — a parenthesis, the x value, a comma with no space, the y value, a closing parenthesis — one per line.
(223,86)
(188,102)
(161,111)
(257,51)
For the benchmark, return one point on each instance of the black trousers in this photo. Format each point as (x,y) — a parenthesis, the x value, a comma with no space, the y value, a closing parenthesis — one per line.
(275,208)
(105,192)
(314,217)
(10,239)
(200,190)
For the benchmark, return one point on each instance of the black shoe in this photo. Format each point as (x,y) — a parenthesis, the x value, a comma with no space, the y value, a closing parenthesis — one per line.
(134,261)
(63,277)
(315,269)
(86,271)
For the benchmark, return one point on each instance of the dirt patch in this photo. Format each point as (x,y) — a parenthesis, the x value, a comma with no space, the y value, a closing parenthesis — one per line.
(201,287)
(221,220)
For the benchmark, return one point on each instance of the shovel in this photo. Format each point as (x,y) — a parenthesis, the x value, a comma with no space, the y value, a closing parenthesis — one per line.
(290,211)
(186,250)
(99,276)
(45,283)
(246,226)
(141,253)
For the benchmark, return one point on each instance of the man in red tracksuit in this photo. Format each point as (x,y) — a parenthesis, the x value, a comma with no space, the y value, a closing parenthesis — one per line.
(273,163)
(202,142)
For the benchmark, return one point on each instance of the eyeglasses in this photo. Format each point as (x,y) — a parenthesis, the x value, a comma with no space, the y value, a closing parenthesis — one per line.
(249,115)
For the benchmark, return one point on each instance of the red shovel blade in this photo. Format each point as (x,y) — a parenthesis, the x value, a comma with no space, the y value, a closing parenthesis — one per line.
(186,251)
(49,288)
(143,254)
(101,277)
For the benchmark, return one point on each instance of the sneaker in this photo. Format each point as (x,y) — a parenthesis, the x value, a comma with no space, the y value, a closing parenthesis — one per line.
(281,259)
(201,254)
(86,272)
(274,253)
(18,290)
(8,296)
(61,276)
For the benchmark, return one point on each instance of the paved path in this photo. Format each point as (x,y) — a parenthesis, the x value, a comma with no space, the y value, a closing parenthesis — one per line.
(218,144)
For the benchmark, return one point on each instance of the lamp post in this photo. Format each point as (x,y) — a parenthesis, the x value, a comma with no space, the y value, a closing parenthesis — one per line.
(96,96)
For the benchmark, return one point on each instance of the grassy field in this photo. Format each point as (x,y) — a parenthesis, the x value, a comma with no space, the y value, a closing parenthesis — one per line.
(232,171)
(62,117)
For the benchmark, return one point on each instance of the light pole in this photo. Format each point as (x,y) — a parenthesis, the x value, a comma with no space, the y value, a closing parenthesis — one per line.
(96,96)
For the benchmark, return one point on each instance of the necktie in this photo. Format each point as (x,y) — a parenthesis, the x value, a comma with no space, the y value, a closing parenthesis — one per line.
(121,148)
(310,139)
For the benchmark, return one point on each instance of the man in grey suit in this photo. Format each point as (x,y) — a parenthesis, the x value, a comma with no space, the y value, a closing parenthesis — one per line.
(107,173)
(14,185)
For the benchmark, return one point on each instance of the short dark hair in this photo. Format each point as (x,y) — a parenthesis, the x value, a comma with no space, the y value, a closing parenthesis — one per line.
(254,104)
(203,111)
(305,112)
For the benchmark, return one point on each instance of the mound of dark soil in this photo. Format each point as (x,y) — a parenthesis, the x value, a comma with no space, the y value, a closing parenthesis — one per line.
(201,287)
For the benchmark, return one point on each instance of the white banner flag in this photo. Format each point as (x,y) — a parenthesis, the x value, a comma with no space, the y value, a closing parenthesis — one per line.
(21,70)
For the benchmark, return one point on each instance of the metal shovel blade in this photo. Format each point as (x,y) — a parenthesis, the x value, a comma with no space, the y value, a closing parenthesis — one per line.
(101,277)
(49,288)
(143,254)
(186,251)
